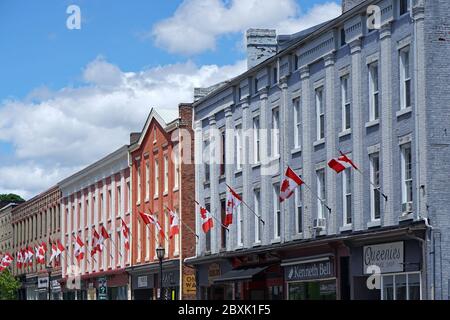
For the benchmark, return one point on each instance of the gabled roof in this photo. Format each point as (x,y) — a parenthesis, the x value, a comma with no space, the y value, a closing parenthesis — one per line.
(153,115)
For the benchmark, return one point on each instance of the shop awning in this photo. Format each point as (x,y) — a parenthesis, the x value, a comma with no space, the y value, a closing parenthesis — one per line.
(239,274)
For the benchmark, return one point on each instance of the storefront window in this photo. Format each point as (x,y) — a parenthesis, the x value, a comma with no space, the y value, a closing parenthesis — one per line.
(312,290)
(276,293)
(401,286)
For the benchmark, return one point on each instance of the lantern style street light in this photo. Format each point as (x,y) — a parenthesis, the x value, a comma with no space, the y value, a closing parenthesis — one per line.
(160,252)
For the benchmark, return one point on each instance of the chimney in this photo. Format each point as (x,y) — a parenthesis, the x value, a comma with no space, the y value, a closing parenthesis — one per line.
(134,137)
(350,4)
(261,45)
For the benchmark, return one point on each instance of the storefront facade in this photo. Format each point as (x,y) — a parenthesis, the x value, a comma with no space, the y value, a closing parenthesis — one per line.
(145,283)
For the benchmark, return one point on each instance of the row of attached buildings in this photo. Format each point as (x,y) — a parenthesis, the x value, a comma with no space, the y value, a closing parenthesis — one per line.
(371,83)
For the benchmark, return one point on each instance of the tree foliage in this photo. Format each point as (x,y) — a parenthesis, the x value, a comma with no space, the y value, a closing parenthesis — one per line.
(8,285)
(11,197)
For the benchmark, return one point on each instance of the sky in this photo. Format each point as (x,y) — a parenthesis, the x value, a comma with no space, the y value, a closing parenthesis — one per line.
(70,96)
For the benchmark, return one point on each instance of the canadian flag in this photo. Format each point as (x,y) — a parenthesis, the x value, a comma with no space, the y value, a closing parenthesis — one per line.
(19,259)
(96,244)
(290,182)
(79,249)
(29,256)
(341,163)
(174,224)
(151,219)
(6,261)
(54,254)
(126,235)
(207,220)
(104,234)
(40,253)
(233,200)
(59,247)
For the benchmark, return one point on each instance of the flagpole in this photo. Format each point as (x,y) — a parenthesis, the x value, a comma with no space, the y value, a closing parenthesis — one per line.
(251,210)
(189,228)
(220,222)
(370,180)
(115,247)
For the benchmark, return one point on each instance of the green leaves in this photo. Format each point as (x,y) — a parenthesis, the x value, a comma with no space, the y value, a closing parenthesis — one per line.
(8,285)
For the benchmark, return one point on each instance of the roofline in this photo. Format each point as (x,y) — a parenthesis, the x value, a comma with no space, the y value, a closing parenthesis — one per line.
(83,172)
(331,23)
(11,204)
(36,197)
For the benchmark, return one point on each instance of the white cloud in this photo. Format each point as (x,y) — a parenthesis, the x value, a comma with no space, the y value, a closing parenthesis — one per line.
(56,133)
(196,24)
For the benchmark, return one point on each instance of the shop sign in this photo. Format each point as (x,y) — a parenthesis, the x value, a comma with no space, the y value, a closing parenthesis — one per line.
(189,284)
(142,281)
(389,257)
(102,289)
(43,282)
(308,271)
(56,285)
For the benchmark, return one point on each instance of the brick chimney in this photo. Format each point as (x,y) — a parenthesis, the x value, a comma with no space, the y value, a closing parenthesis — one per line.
(349,4)
(261,45)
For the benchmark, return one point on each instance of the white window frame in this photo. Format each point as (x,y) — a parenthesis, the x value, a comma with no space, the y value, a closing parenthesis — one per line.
(256,139)
(347,192)
(139,241)
(240,226)
(405,180)
(166,174)
(276,212)
(275,132)
(405,77)
(373,189)
(321,192)
(320,114)
(345,103)
(176,240)
(139,185)
(147,181)
(297,123)
(156,174)
(298,205)
(176,174)
(119,199)
(374,92)
(166,238)
(257,208)
(147,243)
(394,275)
(408,7)
(238,146)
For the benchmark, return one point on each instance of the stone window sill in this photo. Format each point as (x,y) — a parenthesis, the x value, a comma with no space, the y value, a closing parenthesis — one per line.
(345,133)
(373,224)
(372,123)
(347,227)
(318,142)
(404,111)
(296,150)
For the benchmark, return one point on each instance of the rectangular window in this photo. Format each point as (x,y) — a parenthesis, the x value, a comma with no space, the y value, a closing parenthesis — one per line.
(223,242)
(374,103)
(321,193)
(405,79)
(110,204)
(176,241)
(147,243)
(156,193)
(139,240)
(297,124)
(375,199)
(128,196)
(166,238)
(208,234)
(298,210)
(176,173)
(138,196)
(346,121)
(238,146)
(256,140)
(347,196)
(276,211)
(274,75)
(320,114)
(147,181)
(102,206)
(275,132)
(343,40)
(401,286)
(223,153)
(240,226)
(257,208)
(166,174)
(404,7)
(119,200)
(206,157)
(407,182)
(295,62)
(256,85)
(239,93)
(86,211)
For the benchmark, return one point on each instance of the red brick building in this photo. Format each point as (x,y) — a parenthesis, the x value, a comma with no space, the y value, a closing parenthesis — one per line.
(160,181)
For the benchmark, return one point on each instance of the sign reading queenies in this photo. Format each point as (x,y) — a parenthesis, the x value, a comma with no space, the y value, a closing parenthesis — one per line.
(387,256)
(308,271)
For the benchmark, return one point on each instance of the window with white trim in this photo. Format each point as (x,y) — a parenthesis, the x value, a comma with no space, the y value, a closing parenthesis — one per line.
(298,210)
(276,211)
(139,240)
(403,7)
(321,193)
(406,171)
(156,178)
(166,174)
(147,180)
(138,196)
(345,100)
(119,200)
(375,194)
(320,115)
(401,286)
(347,196)
(238,146)
(256,140)
(166,238)
(275,132)
(405,79)
(258,211)
(240,226)
(297,124)
(274,75)
(176,173)
(147,242)
(206,159)
(374,96)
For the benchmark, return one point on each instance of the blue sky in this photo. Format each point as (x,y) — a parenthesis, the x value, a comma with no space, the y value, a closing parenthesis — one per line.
(70,81)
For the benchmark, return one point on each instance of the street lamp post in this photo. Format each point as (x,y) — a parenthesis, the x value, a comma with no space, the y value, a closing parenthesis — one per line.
(160,252)
(49,271)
